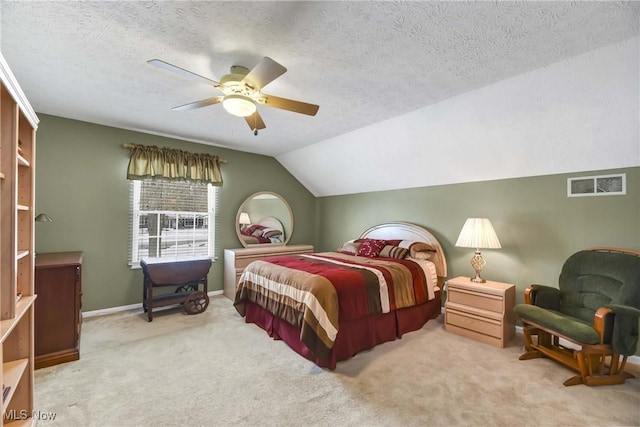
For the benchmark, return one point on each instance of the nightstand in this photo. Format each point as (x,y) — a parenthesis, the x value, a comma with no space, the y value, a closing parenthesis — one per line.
(481,311)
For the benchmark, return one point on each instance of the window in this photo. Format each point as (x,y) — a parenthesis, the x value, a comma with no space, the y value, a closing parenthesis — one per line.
(170,219)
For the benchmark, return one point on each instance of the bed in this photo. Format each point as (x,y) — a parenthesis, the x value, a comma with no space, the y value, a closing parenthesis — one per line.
(329,306)
(268,230)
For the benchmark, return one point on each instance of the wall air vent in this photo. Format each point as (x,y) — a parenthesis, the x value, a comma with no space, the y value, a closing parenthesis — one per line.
(603,185)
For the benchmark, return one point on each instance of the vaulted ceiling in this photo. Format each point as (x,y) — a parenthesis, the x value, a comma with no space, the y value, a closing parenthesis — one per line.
(362,62)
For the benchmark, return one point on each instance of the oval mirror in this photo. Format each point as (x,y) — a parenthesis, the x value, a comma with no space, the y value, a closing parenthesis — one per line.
(265,218)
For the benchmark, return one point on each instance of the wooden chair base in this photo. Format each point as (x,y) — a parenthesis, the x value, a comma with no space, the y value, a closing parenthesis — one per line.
(596,364)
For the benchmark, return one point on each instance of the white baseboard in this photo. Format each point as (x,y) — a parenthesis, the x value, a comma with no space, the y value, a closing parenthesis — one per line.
(111,310)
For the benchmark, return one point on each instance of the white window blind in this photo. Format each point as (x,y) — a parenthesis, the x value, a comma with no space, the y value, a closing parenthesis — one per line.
(171,219)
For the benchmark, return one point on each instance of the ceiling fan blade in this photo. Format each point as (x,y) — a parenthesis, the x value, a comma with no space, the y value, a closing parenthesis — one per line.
(181,71)
(290,105)
(198,104)
(264,73)
(255,121)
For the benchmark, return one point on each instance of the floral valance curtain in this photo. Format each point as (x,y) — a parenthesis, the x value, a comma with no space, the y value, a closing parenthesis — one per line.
(149,161)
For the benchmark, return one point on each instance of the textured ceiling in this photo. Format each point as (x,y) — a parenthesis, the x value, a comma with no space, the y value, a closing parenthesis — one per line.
(362,62)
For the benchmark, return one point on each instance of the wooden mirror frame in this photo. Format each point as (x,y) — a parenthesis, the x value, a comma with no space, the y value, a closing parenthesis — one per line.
(288,228)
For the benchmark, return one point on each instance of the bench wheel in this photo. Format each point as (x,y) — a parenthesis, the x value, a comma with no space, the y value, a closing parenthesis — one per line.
(196,302)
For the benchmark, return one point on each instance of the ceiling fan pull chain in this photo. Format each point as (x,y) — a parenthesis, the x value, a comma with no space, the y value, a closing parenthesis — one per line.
(255,124)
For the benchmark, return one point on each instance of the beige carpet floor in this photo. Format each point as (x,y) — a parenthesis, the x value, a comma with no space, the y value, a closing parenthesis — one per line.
(212,369)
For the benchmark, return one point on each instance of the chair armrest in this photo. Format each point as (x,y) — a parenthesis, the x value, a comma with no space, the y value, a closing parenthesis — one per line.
(624,338)
(617,308)
(602,313)
(543,296)
(599,321)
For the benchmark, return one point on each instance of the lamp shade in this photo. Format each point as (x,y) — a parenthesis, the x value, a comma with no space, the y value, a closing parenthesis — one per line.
(478,233)
(43,217)
(244,218)
(239,105)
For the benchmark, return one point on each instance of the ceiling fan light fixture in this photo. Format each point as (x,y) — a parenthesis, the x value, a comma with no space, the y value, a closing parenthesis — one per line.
(239,105)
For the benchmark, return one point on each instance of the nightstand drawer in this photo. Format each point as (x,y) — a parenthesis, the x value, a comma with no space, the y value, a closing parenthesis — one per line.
(476,299)
(474,323)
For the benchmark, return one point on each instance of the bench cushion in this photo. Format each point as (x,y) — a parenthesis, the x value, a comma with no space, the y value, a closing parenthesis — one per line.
(558,323)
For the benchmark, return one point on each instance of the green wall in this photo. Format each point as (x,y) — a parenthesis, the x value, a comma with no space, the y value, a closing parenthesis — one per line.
(81,184)
(537,224)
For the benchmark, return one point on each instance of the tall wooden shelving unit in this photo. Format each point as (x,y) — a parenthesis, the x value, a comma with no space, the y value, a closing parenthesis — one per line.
(18,124)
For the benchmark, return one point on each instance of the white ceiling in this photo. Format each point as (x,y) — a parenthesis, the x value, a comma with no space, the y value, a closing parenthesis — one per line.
(362,62)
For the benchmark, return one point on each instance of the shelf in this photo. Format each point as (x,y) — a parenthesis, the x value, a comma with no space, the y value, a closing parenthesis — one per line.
(27,422)
(11,374)
(22,307)
(17,310)
(22,161)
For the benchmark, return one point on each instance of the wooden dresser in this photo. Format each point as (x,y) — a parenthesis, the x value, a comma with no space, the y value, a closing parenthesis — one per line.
(235,260)
(481,311)
(58,284)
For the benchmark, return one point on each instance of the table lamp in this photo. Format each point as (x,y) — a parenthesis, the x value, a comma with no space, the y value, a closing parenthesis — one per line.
(478,233)
(244,220)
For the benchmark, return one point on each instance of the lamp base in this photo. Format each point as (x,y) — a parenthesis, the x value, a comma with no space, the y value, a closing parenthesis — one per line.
(477,262)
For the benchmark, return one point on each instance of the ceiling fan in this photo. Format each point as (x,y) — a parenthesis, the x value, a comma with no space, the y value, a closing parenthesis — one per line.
(242,91)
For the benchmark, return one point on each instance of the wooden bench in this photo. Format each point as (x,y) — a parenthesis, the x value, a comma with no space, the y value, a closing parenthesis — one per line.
(186,275)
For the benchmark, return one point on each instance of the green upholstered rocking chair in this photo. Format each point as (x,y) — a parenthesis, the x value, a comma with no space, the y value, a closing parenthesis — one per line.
(596,308)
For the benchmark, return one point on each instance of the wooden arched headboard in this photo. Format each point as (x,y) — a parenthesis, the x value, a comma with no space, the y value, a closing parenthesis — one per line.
(409,231)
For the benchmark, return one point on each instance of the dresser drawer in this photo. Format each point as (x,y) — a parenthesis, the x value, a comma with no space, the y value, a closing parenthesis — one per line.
(241,263)
(476,299)
(474,323)
(236,260)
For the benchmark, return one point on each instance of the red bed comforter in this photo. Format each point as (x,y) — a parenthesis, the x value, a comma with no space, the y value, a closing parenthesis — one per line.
(314,292)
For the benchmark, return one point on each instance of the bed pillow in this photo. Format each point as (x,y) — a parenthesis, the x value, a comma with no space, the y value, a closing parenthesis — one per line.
(371,247)
(271,232)
(254,230)
(247,229)
(425,250)
(390,251)
(351,248)
(421,250)
(423,255)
